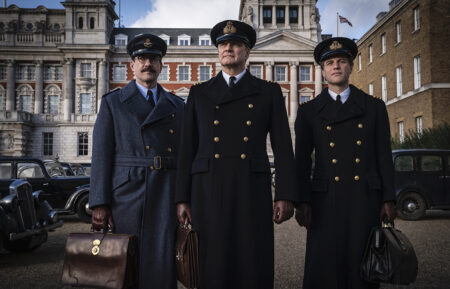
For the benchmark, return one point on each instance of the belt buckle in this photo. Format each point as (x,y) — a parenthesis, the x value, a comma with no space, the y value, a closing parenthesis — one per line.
(157,162)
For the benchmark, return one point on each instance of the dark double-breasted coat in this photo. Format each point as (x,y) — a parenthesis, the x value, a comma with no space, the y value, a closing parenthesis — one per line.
(224,174)
(353,176)
(133,172)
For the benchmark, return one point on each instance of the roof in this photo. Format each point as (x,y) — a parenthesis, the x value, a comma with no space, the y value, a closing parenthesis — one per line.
(195,33)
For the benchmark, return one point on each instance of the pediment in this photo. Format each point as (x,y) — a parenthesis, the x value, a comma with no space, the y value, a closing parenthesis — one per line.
(282,40)
(284,90)
(306,90)
(182,90)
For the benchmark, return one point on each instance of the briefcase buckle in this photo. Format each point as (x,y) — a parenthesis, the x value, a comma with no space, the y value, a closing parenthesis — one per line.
(157,162)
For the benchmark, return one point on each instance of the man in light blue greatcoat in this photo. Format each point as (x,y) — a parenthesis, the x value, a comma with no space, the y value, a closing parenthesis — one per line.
(134,161)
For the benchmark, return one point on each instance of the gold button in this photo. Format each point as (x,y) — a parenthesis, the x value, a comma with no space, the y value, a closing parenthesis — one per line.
(216,139)
(356,178)
(249,123)
(147,147)
(359,142)
(360,125)
(357,160)
(332,144)
(217,156)
(169,150)
(217,107)
(245,139)
(250,106)
(243,156)
(171,131)
(173,115)
(216,122)
(336,179)
(334,161)
(328,127)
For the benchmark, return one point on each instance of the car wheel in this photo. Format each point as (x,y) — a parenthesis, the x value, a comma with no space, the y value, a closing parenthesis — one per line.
(411,206)
(83,211)
(272,178)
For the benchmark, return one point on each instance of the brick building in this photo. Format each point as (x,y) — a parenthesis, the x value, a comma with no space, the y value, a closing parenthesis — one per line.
(405,60)
(55,64)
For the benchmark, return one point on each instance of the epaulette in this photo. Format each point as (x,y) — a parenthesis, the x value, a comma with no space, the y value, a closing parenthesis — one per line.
(111,91)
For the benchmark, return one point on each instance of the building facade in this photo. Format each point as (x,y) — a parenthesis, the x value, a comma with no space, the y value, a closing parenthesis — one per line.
(55,64)
(405,60)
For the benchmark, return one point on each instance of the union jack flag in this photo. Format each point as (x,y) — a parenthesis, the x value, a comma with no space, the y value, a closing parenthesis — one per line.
(344,20)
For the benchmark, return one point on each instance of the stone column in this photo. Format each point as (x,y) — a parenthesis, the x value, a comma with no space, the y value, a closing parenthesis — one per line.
(286,17)
(307,16)
(274,16)
(268,70)
(300,17)
(68,87)
(39,89)
(293,90)
(101,89)
(318,81)
(261,17)
(11,89)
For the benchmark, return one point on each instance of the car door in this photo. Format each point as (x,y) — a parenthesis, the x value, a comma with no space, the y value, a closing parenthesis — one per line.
(430,177)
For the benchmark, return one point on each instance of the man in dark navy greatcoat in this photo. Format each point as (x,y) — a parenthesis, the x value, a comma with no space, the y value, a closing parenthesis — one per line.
(223,178)
(134,153)
(352,186)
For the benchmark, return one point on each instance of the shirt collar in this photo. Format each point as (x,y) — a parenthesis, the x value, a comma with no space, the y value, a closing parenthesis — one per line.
(143,90)
(344,95)
(238,77)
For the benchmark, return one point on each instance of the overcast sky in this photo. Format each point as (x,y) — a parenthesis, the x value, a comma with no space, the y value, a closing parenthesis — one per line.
(206,13)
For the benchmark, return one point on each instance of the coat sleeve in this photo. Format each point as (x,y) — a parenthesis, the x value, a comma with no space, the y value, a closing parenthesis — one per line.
(303,148)
(102,157)
(384,153)
(188,149)
(281,141)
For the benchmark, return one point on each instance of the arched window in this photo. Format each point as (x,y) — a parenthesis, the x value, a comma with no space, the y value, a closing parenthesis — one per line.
(24,101)
(52,99)
(80,22)
(92,23)
(2,98)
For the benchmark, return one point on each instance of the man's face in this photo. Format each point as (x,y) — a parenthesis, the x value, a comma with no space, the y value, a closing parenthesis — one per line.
(146,68)
(337,70)
(233,53)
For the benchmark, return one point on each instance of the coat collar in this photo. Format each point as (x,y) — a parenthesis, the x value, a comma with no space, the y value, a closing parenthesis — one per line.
(220,93)
(167,104)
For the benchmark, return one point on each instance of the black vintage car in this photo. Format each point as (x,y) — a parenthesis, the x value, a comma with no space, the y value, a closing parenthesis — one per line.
(422,181)
(25,218)
(65,194)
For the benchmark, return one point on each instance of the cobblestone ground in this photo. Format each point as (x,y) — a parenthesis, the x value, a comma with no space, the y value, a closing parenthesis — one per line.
(430,237)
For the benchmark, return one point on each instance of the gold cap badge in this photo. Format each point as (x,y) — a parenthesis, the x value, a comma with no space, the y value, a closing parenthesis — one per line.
(229,28)
(147,43)
(335,45)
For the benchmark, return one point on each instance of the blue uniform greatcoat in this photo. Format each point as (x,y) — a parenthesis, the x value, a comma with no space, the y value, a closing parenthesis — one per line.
(131,142)
(353,176)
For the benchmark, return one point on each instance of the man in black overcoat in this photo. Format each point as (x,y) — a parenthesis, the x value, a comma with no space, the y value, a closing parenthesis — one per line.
(134,153)
(352,185)
(223,178)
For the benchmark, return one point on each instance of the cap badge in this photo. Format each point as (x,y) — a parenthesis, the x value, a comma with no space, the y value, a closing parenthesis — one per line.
(335,45)
(148,43)
(229,28)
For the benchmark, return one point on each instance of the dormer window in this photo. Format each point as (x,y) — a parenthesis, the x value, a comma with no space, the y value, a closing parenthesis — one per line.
(184,40)
(204,40)
(121,40)
(166,38)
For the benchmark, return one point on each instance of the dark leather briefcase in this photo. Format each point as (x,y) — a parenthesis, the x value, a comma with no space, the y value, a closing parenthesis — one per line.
(100,260)
(187,256)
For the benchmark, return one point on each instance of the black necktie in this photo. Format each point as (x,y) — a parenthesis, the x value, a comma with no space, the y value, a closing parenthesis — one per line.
(338,99)
(232,80)
(150,98)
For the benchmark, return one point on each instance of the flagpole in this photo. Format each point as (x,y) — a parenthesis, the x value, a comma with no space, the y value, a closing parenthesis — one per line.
(337,24)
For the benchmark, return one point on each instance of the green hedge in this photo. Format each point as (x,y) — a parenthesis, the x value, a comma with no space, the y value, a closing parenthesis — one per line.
(437,137)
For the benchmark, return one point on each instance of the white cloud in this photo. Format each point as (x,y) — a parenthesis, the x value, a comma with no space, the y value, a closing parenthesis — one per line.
(188,13)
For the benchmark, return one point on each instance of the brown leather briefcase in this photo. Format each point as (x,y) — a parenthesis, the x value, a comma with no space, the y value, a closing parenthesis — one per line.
(100,260)
(187,256)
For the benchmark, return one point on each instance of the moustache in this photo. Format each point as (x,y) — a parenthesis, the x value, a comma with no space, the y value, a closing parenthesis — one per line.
(149,70)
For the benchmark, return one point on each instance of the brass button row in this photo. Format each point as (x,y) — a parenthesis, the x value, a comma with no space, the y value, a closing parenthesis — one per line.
(358,142)
(245,139)
(250,105)
(249,123)
(334,161)
(336,178)
(328,127)
(216,139)
(357,160)
(332,144)
(360,125)
(243,156)
(216,122)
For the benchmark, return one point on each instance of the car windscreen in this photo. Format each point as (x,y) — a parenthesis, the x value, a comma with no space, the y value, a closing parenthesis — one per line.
(54,169)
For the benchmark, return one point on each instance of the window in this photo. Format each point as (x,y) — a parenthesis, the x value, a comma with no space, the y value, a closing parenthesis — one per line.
(359,62)
(53,107)
(419,124)
(184,40)
(205,73)
(280,73)
(48,143)
(48,72)
(401,131)
(370,53)
(416,18)
(383,88)
(2,72)
(398,31)
(58,72)
(5,170)
(83,141)
(164,75)
(85,70)
(2,99)
(80,22)
(205,40)
(121,40)
(166,38)
(183,73)
(267,15)
(371,88)
(304,98)
(53,72)
(29,170)
(417,82)
(85,103)
(92,22)
(26,103)
(404,164)
(25,72)
(305,73)
(430,163)
(119,72)
(398,71)
(280,14)
(256,70)
(293,14)
(383,43)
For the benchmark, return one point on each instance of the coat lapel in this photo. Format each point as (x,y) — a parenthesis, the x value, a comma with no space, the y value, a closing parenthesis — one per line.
(134,102)
(164,107)
(217,88)
(325,109)
(244,87)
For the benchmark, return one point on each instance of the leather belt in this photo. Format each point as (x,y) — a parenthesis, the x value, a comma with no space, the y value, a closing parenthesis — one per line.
(154,163)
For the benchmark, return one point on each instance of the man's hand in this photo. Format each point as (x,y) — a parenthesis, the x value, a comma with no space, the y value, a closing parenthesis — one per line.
(282,211)
(303,215)
(101,217)
(388,210)
(184,213)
